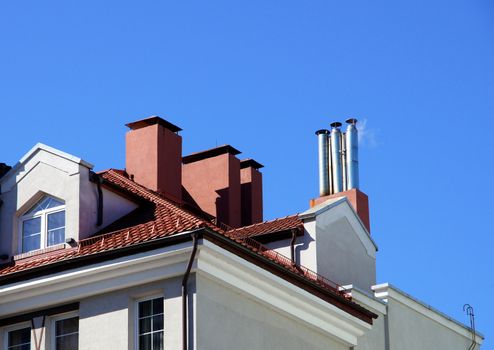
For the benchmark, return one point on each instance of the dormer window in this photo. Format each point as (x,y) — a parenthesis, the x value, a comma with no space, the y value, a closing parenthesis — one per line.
(43,225)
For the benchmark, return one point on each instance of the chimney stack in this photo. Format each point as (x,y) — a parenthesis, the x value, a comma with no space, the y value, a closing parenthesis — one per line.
(153,156)
(251,191)
(211,179)
(338,168)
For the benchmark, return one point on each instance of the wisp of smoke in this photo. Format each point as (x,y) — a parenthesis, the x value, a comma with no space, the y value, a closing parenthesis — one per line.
(366,136)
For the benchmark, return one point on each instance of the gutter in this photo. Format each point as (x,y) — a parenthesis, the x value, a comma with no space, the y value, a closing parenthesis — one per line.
(94,258)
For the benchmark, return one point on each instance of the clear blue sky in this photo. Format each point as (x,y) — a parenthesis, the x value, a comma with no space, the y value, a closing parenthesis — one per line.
(263,76)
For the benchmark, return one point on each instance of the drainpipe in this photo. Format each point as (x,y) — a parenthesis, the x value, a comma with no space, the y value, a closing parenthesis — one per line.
(185,291)
(292,246)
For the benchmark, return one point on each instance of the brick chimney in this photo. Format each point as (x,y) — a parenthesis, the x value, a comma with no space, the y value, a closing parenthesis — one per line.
(153,156)
(212,179)
(251,191)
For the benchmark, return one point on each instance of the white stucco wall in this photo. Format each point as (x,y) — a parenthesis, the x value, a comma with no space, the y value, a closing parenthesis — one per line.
(108,321)
(46,171)
(411,330)
(228,320)
(41,173)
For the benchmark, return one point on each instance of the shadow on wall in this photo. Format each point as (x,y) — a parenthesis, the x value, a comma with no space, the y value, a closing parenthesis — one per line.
(307,239)
(222,206)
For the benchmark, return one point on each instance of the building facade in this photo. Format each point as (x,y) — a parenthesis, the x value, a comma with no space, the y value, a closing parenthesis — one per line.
(172,252)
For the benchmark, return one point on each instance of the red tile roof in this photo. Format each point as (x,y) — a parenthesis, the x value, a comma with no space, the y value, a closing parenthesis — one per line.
(162,218)
(277,225)
(167,218)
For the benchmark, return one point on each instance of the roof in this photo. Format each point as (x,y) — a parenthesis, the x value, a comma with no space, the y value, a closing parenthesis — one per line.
(165,219)
(278,225)
(159,218)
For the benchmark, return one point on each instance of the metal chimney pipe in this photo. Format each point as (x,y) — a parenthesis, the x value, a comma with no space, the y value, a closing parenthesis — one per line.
(343,162)
(352,154)
(336,170)
(323,144)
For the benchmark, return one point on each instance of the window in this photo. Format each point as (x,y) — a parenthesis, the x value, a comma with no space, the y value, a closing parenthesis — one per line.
(150,324)
(67,334)
(43,225)
(19,339)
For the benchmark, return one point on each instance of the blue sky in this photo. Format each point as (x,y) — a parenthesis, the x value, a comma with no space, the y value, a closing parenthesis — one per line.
(263,76)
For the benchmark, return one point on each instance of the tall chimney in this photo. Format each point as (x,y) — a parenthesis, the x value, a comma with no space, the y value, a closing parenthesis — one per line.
(324,157)
(352,154)
(343,173)
(212,179)
(251,191)
(153,156)
(336,171)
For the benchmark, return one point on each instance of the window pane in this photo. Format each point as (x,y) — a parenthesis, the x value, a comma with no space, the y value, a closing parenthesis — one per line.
(145,325)
(158,341)
(157,306)
(21,347)
(145,342)
(45,203)
(145,308)
(68,342)
(150,320)
(19,339)
(31,233)
(157,323)
(66,334)
(56,220)
(31,227)
(56,237)
(30,243)
(67,326)
(56,228)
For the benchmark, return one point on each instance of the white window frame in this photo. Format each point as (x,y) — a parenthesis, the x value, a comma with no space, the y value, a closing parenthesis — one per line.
(16,327)
(136,317)
(53,331)
(43,214)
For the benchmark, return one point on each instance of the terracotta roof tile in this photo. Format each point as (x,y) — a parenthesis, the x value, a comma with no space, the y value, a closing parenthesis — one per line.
(282,224)
(168,218)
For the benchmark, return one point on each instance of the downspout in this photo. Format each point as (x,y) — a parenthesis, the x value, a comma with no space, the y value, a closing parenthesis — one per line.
(185,291)
(93,177)
(292,246)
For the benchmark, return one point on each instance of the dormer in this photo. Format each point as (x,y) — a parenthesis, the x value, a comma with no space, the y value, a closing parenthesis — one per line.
(49,199)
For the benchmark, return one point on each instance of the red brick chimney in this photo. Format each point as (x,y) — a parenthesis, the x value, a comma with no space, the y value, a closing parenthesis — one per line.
(251,191)
(212,179)
(153,156)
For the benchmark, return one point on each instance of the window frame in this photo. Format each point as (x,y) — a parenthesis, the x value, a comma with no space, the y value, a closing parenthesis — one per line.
(43,215)
(53,326)
(15,327)
(136,317)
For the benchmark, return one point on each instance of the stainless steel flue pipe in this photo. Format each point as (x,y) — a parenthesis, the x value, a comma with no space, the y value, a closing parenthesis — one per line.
(323,144)
(352,154)
(336,169)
